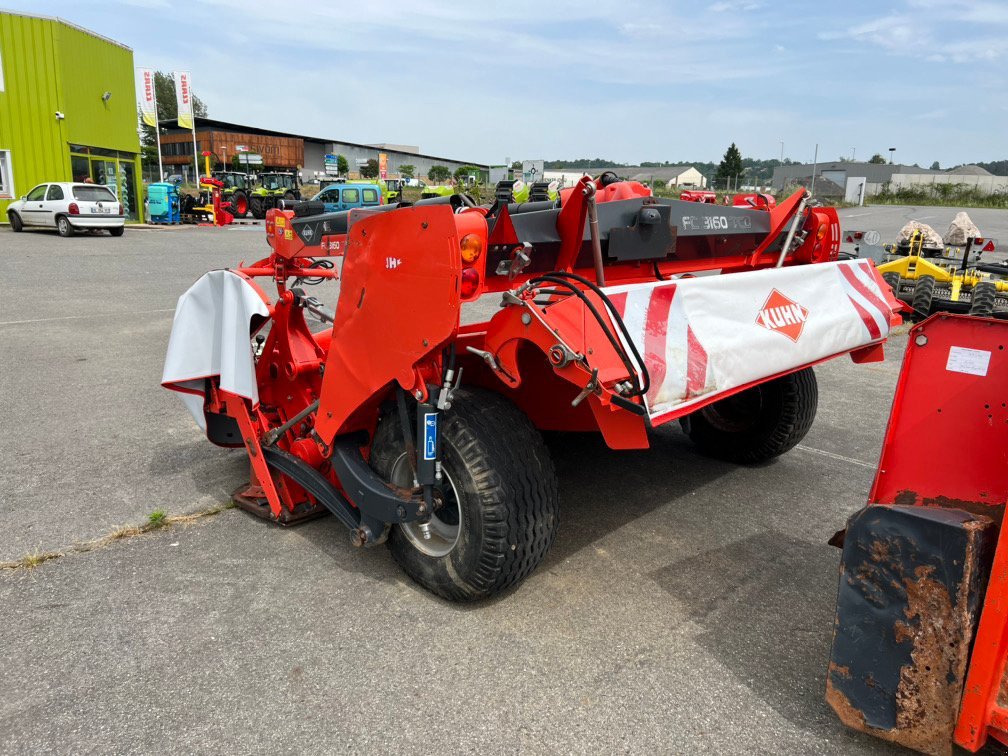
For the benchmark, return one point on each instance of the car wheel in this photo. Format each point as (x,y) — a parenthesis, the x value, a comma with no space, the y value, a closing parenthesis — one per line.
(15,222)
(63,226)
(116,231)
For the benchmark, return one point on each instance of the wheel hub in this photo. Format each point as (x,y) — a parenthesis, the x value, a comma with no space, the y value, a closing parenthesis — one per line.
(438,536)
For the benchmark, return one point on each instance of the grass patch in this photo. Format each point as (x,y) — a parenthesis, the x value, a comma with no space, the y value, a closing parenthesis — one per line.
(156,520)
(33,560)
(940,195)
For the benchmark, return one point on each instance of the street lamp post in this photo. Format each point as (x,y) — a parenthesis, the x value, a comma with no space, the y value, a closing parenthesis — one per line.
(782,151)
(892,155)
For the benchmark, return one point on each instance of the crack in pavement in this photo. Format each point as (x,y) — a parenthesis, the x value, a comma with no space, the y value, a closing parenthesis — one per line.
(31,561)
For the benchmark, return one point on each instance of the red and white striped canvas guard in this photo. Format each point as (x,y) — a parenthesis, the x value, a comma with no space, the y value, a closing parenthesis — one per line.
(712,334)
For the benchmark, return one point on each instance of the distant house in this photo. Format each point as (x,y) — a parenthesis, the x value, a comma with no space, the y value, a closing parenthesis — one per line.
(670,175)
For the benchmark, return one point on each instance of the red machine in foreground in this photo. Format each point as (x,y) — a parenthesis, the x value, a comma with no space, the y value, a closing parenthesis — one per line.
(410,427)
(921,633)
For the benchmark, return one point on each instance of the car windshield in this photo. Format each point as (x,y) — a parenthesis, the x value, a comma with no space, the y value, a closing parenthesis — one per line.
(93,193)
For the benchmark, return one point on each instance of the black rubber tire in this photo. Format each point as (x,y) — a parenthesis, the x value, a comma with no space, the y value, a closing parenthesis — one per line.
(116,231)
(15,222)
(507,497)
(289,196)
(237,199)
(257,208)
(984,299)
(893,279)
(759,423)
(922,295)
(63,227)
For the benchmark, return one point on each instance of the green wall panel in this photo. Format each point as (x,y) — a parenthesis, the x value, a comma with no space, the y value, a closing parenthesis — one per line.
(50,66)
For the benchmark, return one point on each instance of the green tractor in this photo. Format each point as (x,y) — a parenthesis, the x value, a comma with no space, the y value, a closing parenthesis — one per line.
(392,188)
(272,188)
(429,192)
(237,188)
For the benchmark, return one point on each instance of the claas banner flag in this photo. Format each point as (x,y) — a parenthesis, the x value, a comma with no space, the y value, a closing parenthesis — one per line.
(183,95)
(148,99)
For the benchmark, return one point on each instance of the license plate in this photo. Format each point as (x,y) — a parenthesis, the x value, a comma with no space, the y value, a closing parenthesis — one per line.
(100,210)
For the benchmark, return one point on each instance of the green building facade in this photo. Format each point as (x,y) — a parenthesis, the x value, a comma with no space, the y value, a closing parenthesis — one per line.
(67,110)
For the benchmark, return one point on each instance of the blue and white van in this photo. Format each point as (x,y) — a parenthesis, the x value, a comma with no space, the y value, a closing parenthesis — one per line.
(348,196)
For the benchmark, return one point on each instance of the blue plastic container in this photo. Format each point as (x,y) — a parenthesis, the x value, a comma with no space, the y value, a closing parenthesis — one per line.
(163,203)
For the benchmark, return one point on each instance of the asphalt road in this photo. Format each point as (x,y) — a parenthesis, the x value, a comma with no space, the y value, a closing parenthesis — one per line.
(685,607)
(889,219)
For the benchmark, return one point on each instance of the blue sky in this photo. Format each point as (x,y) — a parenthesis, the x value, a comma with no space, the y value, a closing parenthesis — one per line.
(626,80)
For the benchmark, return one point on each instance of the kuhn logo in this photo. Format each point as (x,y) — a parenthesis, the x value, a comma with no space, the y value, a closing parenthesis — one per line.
(783,315)
(308,232)
(392,262)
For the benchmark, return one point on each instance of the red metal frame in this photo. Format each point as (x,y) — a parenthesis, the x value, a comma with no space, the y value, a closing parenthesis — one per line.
(946,445)
(379,348)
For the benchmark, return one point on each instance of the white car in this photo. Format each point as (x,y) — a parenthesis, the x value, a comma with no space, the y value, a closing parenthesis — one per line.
(68,207)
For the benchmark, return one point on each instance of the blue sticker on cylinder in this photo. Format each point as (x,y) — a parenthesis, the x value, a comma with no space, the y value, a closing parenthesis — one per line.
(430,436)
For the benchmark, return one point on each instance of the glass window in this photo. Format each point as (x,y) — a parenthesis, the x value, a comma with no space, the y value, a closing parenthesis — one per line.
(80,168)
(127,189)
(351,196)
(370,195)
(93,193)
(55,192)
(326,196)
(6,180)
(36,194)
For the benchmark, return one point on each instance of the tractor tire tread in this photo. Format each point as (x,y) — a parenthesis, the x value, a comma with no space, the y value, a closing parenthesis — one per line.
(893,279)
(923,294)
(797,400)
(984,299)
(515,482)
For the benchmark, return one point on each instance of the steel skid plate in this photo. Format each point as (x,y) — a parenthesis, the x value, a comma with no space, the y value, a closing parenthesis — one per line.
(252,499)
(911,583)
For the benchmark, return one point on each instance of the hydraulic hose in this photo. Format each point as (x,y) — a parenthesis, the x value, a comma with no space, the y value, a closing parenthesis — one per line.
(560,278)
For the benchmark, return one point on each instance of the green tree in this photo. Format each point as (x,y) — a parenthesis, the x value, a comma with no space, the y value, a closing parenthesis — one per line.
(342,167)
(167,110)
(878,159)
(370,169)
(935,166)
(438,173)
(730,167)
(467,170)
(407,170)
